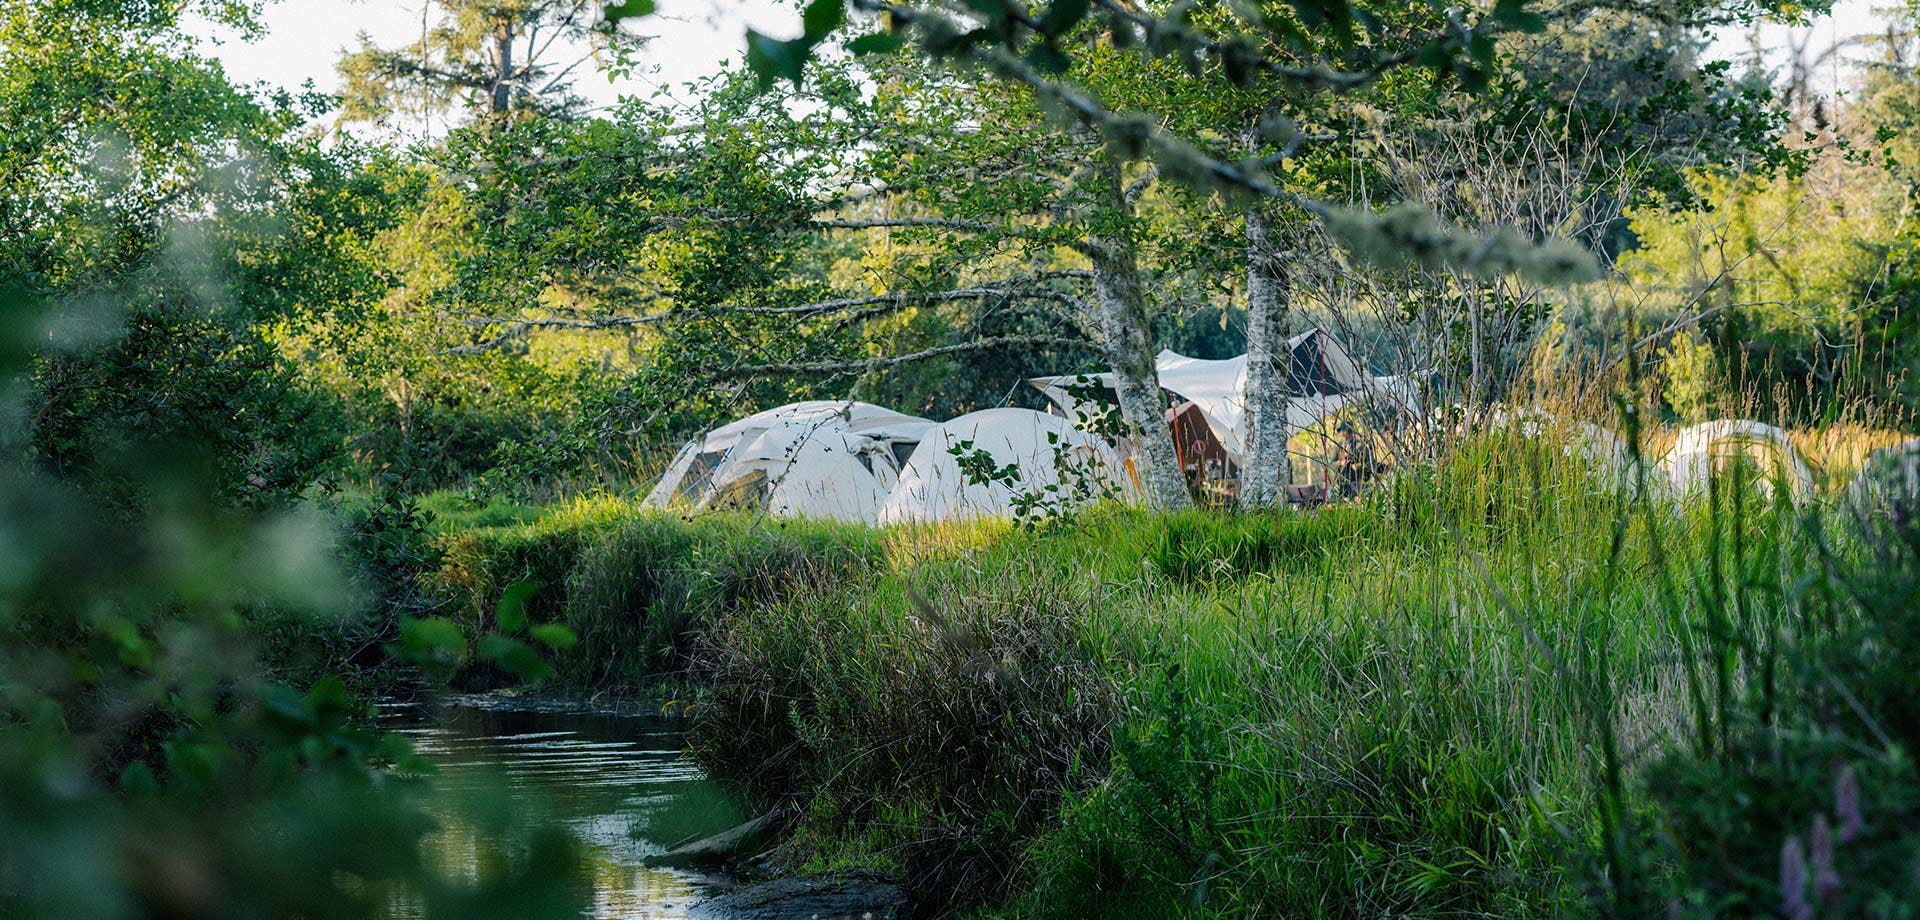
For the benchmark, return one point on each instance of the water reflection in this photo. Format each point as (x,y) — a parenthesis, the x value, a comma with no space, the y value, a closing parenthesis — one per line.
(617,782)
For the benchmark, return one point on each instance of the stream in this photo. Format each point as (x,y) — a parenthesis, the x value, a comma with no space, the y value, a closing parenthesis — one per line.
(619,783)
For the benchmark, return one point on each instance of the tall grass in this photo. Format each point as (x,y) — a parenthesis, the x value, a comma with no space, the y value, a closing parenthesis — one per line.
(1341,713)
(636,585)
(1496,686)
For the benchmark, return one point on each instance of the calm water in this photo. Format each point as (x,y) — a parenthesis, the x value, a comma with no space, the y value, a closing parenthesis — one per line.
(618,782)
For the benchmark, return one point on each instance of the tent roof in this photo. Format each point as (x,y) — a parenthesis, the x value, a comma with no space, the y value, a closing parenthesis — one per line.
(933,487)
(851,414)
(793,429)
(1321,367)
(1692,460)
(816,471)
(1325,378)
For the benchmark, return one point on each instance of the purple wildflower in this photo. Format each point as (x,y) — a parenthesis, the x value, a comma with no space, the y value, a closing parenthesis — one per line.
(1793,881)
(1846,803)
(1826,881)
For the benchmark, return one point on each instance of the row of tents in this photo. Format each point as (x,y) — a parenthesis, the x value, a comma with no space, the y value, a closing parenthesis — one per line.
(855,461)
(1887,483)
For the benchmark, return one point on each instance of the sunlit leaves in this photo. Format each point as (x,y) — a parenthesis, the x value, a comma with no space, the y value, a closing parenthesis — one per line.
(628,9)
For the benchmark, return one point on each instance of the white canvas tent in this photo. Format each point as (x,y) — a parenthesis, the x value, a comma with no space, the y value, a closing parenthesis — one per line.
(1602,450)
(1888,483)
(1325,378)
(934,488)
(1705,447)
(822,459)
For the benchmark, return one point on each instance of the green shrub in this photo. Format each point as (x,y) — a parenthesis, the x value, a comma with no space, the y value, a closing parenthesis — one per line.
(946,716)
(1304,715)
(635,586)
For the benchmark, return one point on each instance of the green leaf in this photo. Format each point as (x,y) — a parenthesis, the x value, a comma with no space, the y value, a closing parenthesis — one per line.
(1481,49)
(511,612)
(137,781)
(629,9)
(515,656)
(328,694)
(288,705)
(771,59)
(876,43)
(432,634)
(1062,16)
(1515,13)
(553,635)
(989,9)
(820,18)
(1049,59)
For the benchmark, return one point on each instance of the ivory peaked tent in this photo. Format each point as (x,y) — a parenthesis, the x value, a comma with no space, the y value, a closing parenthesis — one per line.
(1325,378)
(1709,446)
(933,487)
(822,459)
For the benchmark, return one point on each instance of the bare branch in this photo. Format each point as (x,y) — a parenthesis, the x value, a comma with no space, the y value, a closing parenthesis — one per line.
(863,365)
(874,223)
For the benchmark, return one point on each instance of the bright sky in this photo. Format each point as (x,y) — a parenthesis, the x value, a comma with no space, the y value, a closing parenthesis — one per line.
(1850,18)
(693,38)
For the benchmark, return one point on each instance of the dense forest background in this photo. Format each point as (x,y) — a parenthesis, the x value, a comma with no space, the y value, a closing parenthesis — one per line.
(542,297)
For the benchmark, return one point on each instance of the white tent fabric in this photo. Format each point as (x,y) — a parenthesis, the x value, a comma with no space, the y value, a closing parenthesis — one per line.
(1609,456)
(831,459)
(1701,448)
(808,470)
(1888,483)
(1218,388)
(933,488)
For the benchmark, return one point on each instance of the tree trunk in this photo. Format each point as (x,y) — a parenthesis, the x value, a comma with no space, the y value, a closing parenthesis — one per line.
(1126,338)
(503,55)
(1475,390)
(1265,474)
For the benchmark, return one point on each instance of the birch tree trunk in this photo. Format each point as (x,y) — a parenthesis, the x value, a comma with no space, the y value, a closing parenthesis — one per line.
(1265,474)
(501,97)
(1127,341)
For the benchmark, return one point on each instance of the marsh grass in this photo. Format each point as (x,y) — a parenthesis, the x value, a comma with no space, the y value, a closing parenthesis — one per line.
(1495,686)
(635,585)
(1334,713)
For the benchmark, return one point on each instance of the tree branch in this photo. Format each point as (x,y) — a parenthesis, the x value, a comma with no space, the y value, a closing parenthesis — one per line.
(874,223)
(868,364)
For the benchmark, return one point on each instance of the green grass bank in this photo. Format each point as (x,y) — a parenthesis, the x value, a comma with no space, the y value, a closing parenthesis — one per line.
(1494,688)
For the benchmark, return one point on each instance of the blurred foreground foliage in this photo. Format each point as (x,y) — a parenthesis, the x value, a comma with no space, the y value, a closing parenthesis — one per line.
(176,736)
(170,742)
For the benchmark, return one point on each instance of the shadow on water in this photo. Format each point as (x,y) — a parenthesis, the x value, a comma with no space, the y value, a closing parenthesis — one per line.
(619,783)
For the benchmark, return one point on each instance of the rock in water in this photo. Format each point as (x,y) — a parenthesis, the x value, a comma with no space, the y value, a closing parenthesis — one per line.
(727,846)
(850,896)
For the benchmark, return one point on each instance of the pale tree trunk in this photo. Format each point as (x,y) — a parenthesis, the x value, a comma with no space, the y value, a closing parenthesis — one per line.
(1476,361)
(1127,341)
(503,55)
(1265,473)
